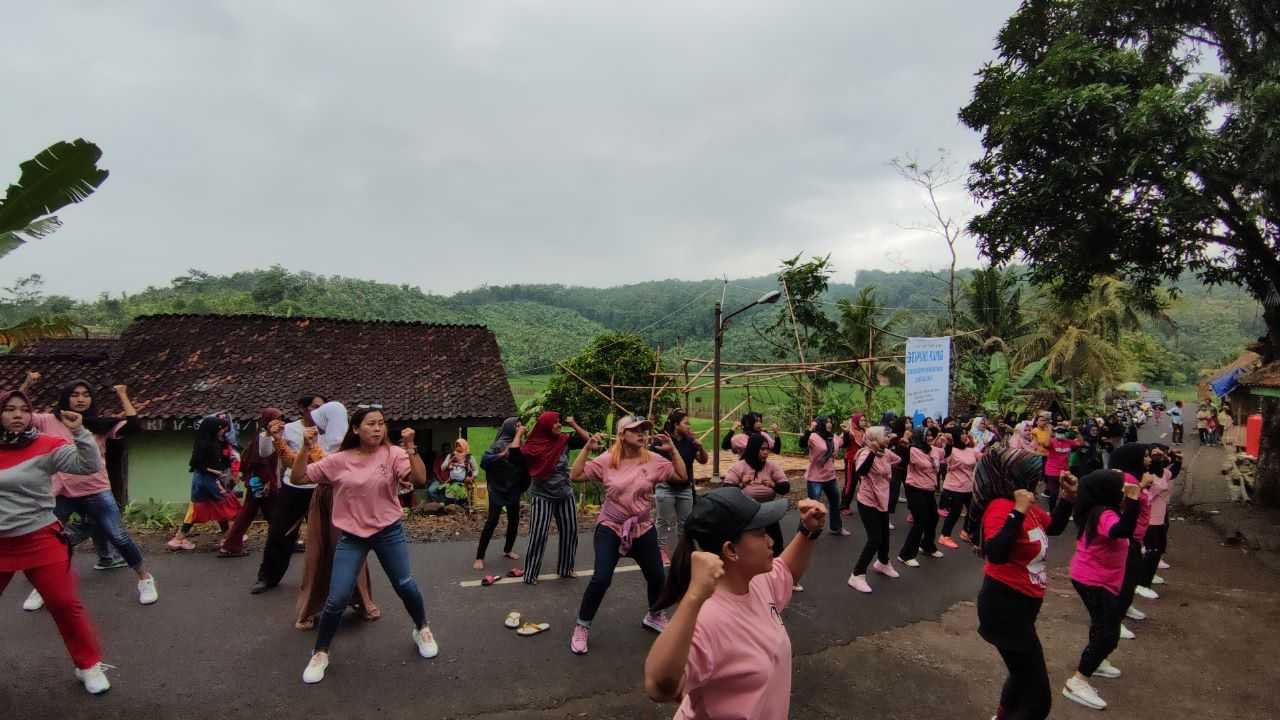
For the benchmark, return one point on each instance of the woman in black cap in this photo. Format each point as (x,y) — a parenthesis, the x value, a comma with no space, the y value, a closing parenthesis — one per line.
(730,592)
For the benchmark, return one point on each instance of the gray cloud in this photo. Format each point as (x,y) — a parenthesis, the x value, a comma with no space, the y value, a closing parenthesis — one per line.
(450,145)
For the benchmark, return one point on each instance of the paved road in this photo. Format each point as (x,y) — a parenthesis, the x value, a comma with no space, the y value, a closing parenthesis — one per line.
(1201,480)
(209,647)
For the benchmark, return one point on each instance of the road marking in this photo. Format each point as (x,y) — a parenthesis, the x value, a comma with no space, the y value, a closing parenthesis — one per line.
(545,577)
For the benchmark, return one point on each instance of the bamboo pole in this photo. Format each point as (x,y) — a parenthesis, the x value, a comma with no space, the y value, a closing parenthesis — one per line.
(653,388)
(594,389)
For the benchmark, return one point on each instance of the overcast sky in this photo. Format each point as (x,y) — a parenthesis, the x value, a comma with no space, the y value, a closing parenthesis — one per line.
(449,145)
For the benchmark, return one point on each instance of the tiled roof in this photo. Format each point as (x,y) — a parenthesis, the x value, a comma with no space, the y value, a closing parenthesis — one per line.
(56,369)
(84,347)
(184,366)
(1265,376)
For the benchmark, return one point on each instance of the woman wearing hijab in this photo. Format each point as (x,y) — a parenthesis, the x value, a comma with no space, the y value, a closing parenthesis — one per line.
(1013,538)
(761,480)
(875,471)
(957,486)
(1135,461)
(1021,438)
(259,468)
(32,541)
(459,471)
(292,503)
(322,536)
(853,440)
(507,480)
(751,424)
(921,486)
(545,454)
(982,436)
(1106,512)
(821,445)
(214,468)
(89,496)
(900,445)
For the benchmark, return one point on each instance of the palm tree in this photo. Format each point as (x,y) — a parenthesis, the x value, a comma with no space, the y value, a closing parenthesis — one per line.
(1079,338)
(61,174)
(993,299)
(864,331)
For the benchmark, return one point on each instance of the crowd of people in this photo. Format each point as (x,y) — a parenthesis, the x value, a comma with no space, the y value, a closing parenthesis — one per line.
(717,566)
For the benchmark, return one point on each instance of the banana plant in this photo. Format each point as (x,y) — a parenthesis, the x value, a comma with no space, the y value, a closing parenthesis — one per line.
(61,174)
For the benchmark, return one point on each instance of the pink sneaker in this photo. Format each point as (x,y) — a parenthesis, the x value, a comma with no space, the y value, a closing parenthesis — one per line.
(183,544)
(886,570)
(945,541)
(859,583)
(578,643)
(656,622)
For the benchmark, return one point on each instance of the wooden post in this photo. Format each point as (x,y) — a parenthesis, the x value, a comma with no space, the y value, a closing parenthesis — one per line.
(686,387)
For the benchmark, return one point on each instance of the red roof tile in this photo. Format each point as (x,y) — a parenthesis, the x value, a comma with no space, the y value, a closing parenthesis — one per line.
(185,366)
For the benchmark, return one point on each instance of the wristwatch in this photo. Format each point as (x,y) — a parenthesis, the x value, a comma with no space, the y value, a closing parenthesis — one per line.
(811,534)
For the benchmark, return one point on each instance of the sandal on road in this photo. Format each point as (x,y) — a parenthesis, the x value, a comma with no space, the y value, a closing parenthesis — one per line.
(513,620)
(489,580)
(528,629)
(515,573)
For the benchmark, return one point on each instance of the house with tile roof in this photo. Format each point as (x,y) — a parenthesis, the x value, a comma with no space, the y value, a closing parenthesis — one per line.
(438,379)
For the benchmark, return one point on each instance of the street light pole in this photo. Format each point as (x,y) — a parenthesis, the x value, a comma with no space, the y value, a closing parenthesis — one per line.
(715,401)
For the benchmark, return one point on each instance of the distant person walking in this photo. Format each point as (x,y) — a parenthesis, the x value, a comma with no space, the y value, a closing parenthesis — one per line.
(1202,423)
(1175,418)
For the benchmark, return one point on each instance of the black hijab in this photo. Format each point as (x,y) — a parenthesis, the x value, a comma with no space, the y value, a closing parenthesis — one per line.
(1130,458)
(210,451)
(96,424)
(1099,491)
(22,438)
(752,452)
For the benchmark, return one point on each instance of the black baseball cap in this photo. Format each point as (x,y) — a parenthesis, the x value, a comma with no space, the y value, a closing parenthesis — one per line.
(727,512)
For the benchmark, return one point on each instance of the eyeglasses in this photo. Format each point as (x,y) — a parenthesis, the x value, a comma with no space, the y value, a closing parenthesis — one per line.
(370,406)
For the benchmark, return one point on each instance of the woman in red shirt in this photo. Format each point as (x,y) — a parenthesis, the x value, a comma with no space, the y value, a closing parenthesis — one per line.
(1014,541)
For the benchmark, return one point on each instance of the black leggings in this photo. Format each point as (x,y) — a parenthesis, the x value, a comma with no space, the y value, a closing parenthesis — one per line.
(1007,620)
(1105,614)
(282,532)
(1154,546)
(1134,566)
(491,524)
(924,514)
(955,503)
(877,524)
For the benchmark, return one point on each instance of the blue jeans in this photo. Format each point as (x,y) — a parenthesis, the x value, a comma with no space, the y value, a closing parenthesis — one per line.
(392,549)
(830,488)
(100,516)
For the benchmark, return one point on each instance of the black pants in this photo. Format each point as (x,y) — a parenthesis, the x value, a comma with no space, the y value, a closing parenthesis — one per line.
(924,514)
(1177,433)
(1154,546)
(1134,566)
(1105,614)
(877,524)
(282,532)
(955,503)
(1007,620)
(895,490)
(775,534)
(491,524)
(850,486)
(607,544)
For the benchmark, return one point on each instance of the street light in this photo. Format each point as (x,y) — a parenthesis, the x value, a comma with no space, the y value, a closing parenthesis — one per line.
(768,298)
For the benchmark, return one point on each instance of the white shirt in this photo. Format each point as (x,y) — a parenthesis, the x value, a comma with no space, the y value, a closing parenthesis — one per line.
(293,438)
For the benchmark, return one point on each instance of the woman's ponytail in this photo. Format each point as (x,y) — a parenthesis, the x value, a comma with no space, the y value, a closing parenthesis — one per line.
(678,575)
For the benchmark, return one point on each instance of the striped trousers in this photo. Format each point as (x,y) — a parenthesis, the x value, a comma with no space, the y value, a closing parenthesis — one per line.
(541,512)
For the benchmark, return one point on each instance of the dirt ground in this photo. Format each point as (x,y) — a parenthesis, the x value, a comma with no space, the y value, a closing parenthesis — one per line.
(1205,652)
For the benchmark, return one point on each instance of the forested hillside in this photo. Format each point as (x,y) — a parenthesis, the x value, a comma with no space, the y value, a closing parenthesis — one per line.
(537,325)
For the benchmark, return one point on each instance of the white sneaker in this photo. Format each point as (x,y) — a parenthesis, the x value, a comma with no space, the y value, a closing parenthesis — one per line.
(1163,565)
(1134,613)
(147,593)
(1157,580)
(1146,592)
(859,583)
(910,563)
(797,587)
(1082,692)
(1126,633)
(936,554)
(315,669)
(33,602)
(95,678)
(426,643)
(1107,670)
(886,570)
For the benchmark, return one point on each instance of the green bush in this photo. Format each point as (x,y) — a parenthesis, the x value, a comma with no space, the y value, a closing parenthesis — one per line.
(154,515)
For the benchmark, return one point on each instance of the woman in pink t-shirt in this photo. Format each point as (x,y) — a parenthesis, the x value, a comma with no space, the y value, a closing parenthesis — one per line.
(726,652)
(922,483)
(367,475)
(624,528)
(761,480)
(1165,468)
(1106,512)
(957,488)
(821,444)
(875,465)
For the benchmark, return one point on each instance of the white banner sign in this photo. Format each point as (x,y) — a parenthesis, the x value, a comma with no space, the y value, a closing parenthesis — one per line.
(928,377)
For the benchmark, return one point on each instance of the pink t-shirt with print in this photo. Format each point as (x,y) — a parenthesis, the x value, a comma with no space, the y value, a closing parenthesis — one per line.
(960,466)
(1160,490)
(1101,562)
(758,486)
(629,488)
(738,442)
(74,486)
(739,664)
(922,470)
(819,471)
(873,488)
(366,487)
